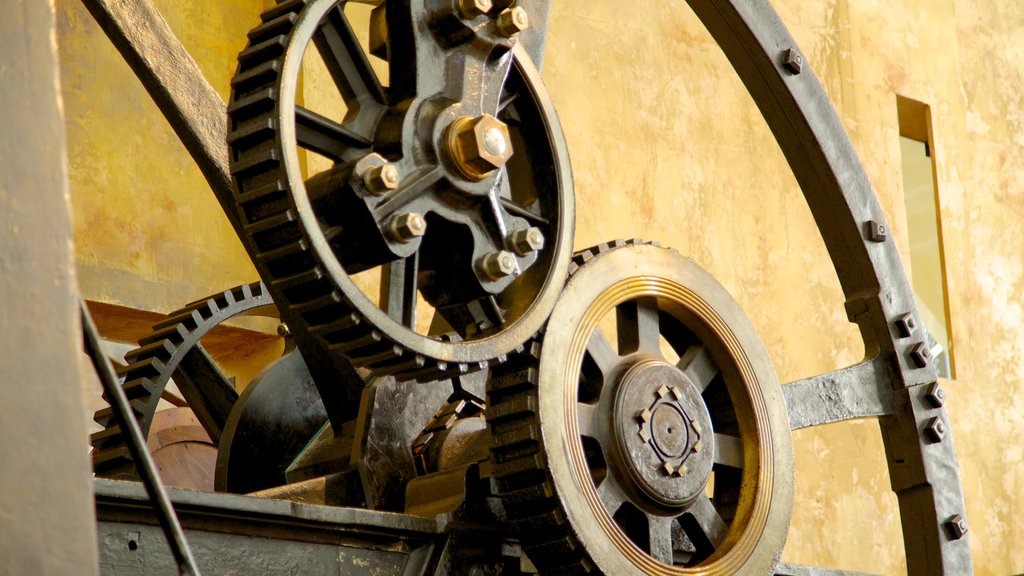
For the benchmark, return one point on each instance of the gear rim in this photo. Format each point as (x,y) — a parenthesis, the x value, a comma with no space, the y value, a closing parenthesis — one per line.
(772,496)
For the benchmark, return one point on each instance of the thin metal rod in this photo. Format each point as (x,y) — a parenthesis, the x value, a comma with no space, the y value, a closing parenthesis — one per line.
(137,447)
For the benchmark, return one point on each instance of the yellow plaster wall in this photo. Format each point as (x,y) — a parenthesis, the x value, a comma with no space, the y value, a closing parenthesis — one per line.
(666,145)
(149,233)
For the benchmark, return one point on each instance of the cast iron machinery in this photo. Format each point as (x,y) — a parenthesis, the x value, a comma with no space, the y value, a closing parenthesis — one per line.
(659,446)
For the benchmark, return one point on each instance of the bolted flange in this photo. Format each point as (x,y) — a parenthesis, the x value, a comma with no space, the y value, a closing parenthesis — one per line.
(407,227)
(479,145)
(497,265)
(512,21)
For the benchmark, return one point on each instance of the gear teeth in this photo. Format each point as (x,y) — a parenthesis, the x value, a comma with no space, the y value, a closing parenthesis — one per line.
(282,8)
(152,364)
(273,27)
(518,458)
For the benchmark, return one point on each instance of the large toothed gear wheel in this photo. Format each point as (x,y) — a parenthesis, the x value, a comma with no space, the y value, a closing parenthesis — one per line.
(453,180)
(174,350)
(663,448)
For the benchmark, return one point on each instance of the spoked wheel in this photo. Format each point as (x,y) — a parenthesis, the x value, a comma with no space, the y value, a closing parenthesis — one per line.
(665,439)
(452,181)
(545,487)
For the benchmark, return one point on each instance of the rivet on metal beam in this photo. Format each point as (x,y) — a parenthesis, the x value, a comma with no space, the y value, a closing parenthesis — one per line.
(956,527)
(877,232)
(920,355)
(935,430)
(935,395)
(792,60)
(906,325)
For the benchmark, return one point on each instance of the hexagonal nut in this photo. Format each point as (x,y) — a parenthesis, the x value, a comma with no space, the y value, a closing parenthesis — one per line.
(474,8)
(956,527)
(935,395)
(935,430)
(906,325)
(527,240)
(381,179)
(498,265)
(478,146)
(408,227)
(512,21)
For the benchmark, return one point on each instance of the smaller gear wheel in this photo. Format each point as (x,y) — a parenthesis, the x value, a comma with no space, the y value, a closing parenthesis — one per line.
(647,434)
(173,350)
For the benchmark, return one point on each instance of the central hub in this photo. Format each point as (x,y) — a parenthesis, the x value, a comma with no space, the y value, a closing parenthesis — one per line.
(664,433)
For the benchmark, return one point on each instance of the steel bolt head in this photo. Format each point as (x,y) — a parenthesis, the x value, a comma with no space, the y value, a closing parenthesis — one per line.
(474,8)
(497,265)
(935,395)
(527,240)
(512,21)
(906,325)
(408,227)
(877,232)
(668,469)
(381,179)
(478,145)
(644,416)
(956,527)
(935,430)
(792,60)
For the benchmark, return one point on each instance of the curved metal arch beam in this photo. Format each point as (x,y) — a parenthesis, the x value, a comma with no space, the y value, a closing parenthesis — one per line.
(923,473)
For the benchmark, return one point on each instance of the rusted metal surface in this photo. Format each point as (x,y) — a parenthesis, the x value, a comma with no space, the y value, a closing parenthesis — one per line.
(256,536)
(46,514)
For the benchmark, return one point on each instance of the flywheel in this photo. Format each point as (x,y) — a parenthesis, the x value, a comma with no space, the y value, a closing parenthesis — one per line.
(647,433)
(452,181)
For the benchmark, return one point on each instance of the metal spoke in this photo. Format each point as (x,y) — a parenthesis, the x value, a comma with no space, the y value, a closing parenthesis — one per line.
(347,63)
(859,391)
(599,350)
(398,290)
(585,415)
(517,210)
(703,524)
(638,326)
(698,367)
(208,392)
(728,451)
(611,494)
(660,538)
(327,137)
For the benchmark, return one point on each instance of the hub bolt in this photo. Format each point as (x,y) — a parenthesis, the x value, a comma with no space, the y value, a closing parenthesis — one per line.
(474,8)
(408,227)
(381,179)
(498,265)
(527,240)
(512,21)
(478,146)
